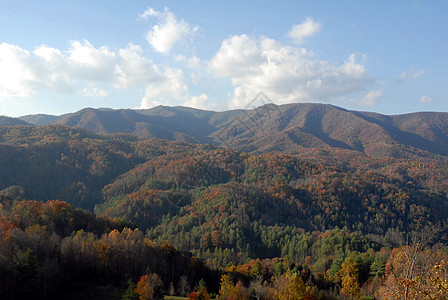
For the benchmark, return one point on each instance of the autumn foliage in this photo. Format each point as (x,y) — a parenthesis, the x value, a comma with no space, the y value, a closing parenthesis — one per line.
(148,216)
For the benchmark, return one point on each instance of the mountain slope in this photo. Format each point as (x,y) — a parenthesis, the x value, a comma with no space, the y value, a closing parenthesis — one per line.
(39,119)
(58,162)
(145,124)
(7,121)
(292,128)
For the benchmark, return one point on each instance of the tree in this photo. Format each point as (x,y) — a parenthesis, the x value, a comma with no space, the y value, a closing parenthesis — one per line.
(439,281)
(200,294)
(294,288)
(149,287)
(25,272)
(257,290)
(172,290)
(415,269)
(349,279)
(130,293)
(183,287)
(229,290)
(279,268)
(378,268)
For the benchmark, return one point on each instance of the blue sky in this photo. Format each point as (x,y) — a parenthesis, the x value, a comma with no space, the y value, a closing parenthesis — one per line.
(61,56)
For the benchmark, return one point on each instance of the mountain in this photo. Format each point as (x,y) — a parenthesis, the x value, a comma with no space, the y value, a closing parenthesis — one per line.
(7,121)
(39,119)
(291,128)
(176,124)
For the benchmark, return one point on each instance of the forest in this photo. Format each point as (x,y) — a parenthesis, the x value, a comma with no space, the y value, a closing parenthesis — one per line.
(89,216)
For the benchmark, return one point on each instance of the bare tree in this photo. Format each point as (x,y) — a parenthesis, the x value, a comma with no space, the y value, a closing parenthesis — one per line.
(413,268)
(417,261)
(183,287)
(257,289)
(172,290)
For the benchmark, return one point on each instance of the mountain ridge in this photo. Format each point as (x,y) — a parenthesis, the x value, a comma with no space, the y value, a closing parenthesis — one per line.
(289,128)
(7,121)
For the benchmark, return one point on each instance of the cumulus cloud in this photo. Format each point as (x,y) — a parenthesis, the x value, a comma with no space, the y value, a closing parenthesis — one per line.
(134,69)
(306,29)
(172,87)
(287,74)
(371,98)
(252,64)
(200,102)
(169,30)
(83,69)
(17,74)
(426,99)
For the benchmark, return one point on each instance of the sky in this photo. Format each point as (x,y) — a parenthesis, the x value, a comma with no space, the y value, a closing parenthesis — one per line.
(384,56)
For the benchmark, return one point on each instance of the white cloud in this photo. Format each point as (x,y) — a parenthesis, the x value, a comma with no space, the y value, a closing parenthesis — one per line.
(426,99)
(371,98)
(16,72)
(191,62)
(417,74)
(284,73)
(85,55)
(83,69)
(150,12)
(200,102)
(403,77)
(239,57)
(83,62)
(94,92)
(173,87)
(306,29)
(168,32)
(133,69)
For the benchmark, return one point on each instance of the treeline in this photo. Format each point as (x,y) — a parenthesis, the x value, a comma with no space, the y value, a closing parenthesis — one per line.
(415,271)
(53,251)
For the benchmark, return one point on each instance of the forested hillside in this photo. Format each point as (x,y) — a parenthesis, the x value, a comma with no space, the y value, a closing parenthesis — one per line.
(53,251)
(322,221)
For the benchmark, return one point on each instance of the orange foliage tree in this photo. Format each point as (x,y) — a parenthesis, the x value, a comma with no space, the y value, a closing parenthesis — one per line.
(149,287)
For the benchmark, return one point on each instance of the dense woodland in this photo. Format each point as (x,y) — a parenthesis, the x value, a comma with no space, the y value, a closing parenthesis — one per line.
(87,216)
